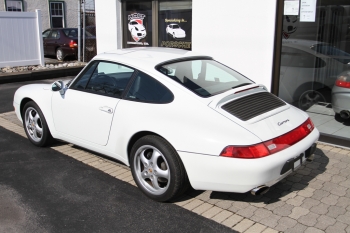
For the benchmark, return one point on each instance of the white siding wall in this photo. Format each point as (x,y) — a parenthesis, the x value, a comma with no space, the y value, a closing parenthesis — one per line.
(237,33)
(108,25)
(20,39)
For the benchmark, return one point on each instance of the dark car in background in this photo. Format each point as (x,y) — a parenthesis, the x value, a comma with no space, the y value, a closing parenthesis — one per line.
(63,42)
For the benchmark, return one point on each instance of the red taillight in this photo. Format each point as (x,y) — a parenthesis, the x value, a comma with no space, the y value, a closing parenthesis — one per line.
(272,146)
(246,152)
(73,44)
(343,81)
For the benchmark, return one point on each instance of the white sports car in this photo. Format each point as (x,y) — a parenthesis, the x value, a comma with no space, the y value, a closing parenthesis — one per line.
(138,31)
(176,118)
(175,30)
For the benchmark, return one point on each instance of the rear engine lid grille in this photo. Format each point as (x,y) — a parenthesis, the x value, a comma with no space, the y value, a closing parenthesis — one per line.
(253,105)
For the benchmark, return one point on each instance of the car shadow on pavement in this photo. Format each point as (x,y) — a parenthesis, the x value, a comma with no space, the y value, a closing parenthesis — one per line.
(299,180)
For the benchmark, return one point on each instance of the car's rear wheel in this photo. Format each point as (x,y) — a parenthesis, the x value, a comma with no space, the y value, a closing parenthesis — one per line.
(310,98)
(157,169)
(35,125)
(59,54)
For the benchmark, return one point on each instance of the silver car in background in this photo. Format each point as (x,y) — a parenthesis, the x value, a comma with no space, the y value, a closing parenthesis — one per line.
(341,95)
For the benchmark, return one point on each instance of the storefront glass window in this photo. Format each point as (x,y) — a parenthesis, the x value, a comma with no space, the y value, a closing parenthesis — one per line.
(137,24)
(175,24)
(315,62)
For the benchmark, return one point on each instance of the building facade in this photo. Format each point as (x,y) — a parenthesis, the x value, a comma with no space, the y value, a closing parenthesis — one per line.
(55,14)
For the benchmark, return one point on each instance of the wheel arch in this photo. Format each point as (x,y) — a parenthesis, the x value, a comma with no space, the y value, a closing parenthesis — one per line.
(23,102)
(136,137)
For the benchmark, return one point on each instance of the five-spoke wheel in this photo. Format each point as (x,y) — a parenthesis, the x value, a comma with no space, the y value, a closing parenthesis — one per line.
(152,169)
(157,168)
(35,125)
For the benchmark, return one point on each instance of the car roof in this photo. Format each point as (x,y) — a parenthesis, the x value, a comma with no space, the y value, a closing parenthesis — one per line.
(146,57)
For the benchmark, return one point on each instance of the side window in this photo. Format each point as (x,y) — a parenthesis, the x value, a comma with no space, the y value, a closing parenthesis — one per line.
(109,79)
(55,35)
(82,81)
(147,89)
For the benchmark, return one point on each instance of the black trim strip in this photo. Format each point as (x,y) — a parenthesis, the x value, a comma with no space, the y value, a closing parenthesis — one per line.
(183,59)
(336,140)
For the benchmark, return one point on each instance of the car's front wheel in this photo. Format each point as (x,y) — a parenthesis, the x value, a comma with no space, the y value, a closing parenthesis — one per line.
(157,169)
(35,125)
(59,54)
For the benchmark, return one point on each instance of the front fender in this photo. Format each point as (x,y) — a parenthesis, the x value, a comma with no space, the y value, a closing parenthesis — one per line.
(39,93)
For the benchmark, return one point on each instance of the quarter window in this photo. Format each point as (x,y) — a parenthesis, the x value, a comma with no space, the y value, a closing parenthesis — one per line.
(147,89)
(57,14)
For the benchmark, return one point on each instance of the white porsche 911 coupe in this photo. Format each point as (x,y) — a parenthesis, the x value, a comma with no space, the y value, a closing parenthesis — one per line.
(175,30)
(176,118)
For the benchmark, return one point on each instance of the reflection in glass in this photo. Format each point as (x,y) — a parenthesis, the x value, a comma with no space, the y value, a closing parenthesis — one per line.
(314,56)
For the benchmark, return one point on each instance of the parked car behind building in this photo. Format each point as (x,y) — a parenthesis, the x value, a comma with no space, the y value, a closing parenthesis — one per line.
(63,42)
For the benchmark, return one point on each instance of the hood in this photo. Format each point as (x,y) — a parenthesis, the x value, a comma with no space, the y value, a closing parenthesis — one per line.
(259,111)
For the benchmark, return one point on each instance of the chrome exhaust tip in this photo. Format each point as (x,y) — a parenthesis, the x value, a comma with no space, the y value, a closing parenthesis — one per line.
(259,190)
(345,114)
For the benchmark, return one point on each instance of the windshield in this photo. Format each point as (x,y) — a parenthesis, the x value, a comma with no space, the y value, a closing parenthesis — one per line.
(204,77)
(175,26)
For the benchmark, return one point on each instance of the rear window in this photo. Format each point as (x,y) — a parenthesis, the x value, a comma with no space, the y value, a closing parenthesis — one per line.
(204,77)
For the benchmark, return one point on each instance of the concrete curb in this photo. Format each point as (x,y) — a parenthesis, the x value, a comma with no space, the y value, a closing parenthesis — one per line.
(39,74)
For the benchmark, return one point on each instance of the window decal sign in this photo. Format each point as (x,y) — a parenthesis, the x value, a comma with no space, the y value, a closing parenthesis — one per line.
(290,25)
(291,7)
(175,29)
(137,29)
(308,11)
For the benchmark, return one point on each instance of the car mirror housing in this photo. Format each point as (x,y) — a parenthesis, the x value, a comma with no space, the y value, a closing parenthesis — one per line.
(58,86)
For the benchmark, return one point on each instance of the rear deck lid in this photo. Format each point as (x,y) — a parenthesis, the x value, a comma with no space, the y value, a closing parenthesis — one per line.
(259,111)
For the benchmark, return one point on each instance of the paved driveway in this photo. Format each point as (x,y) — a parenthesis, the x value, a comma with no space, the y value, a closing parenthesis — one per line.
(43,190)
(316,198)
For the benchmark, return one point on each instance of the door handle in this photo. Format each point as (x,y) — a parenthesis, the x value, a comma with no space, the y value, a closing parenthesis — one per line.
(106,109)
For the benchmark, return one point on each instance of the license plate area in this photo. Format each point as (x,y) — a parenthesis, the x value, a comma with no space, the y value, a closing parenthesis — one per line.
(293,163)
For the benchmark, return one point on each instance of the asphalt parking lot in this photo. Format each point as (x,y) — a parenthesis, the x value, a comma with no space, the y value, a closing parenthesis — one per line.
(315,198)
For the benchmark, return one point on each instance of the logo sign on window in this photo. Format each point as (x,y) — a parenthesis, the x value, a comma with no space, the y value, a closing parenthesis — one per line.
(137,28)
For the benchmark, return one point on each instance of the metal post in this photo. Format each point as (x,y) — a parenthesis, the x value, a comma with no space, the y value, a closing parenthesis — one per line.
(79,30)
(84,31)
(40,37)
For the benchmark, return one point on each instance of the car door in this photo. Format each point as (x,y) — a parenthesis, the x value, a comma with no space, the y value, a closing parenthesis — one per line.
(45,37)
(52,42)
(86,109)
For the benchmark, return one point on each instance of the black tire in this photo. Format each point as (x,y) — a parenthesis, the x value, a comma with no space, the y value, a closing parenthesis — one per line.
(157,169)
(35,125)
(310,98)
(59,54)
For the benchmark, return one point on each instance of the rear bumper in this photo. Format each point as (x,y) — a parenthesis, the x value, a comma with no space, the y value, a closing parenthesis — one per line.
(69,51)
(341,101)
(242,175)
